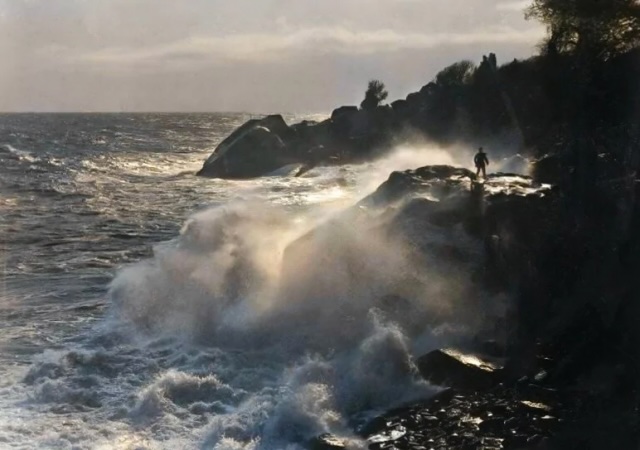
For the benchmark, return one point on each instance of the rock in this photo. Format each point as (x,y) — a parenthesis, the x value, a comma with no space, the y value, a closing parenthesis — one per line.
(261,146)
(254,149)
(350,125)
(400,107)
(517,442)
(549,169)
(458,370)
(435,180)
(343,110)
(326,442)
(428,89)
(256,152)
(492,425)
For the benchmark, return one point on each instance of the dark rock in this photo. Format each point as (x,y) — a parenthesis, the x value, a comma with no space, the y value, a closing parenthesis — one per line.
(326,442)
(436,180)
(492,425)
(516,442)
(348,110)
(400,107)
(455,369)
(254,149)
(257,152)
(414,100)
(428,89)
(500,409)
(550,169)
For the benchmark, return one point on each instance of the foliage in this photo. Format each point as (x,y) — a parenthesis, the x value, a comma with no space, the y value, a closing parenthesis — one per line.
(598,29)
(376,93)
(456,74)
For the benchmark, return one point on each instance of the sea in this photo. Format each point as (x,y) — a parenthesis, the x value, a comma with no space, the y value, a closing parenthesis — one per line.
(143,307)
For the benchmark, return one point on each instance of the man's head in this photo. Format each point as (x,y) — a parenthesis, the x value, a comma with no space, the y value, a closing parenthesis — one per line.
(480,150)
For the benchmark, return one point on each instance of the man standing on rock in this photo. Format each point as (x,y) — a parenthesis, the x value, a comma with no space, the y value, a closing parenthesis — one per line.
(481,161)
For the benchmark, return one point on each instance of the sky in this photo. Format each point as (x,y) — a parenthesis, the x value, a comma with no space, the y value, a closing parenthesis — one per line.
(297,56)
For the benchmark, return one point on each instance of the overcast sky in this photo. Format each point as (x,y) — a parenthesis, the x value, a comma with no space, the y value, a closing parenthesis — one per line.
(240,55)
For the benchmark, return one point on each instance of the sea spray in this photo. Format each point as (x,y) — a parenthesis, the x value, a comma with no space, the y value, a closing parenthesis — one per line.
(226,339)
(301,305)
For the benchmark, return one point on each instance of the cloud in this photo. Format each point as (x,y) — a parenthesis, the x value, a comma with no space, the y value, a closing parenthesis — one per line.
(271,55)
(518,6)
(256,47)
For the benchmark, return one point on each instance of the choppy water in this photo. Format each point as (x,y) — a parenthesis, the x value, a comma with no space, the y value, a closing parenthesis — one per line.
(121,331)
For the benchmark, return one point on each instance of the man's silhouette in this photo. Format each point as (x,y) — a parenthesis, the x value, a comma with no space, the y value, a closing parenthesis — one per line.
(481,161)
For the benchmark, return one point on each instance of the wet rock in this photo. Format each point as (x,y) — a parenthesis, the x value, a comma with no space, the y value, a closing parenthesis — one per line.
(254,149)
(439,182)
(516,442)
(326,442)
(492,425)
(550,169)
(455,369)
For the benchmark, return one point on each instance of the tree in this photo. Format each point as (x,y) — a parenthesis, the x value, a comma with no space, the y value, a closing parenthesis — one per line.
(456,74)
(376,93)
(597,29)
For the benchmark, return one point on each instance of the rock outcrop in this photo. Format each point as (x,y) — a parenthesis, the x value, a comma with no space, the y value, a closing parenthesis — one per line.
(254,149)
(569,269)
(534,244)
(463,371)
(502,418)
(528,105)
(261,146)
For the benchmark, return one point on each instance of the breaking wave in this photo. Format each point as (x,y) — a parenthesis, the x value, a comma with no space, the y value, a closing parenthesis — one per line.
(262,325)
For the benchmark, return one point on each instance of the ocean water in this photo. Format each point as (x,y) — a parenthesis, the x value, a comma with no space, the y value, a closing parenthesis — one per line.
(145,308)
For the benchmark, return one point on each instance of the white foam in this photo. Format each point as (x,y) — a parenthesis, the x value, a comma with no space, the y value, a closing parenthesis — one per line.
(210,344)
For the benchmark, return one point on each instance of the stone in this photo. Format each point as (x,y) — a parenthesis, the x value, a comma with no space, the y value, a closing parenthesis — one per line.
(254,149)
(455,369)
(326,442)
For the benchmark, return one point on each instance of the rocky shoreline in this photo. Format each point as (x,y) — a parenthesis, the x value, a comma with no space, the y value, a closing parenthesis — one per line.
(565,254)
(550,368)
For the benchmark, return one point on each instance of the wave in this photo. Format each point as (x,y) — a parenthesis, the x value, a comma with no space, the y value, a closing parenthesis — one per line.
(321,325)
(263,325)
(16,153)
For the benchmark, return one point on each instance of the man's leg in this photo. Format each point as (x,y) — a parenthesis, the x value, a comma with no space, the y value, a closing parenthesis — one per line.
(484,172)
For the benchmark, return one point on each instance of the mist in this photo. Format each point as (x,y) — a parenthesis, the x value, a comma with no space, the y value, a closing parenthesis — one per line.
(242,270)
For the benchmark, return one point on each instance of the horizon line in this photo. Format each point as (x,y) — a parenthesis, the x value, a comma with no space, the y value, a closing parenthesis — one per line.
(261,113)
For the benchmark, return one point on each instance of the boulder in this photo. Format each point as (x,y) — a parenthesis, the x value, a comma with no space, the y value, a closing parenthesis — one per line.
(254,149)
(347,122)
(257,151)
(458,370)
(343,110)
